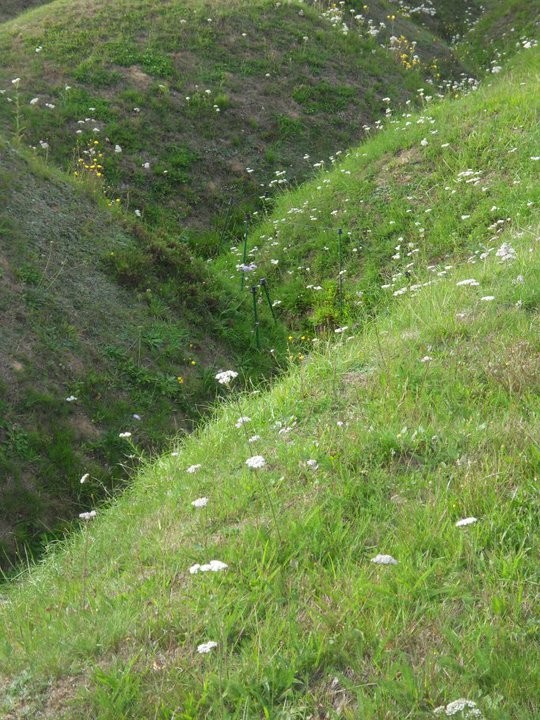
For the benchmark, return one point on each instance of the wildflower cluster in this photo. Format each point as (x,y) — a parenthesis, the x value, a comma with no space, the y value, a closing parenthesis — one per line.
(89,162)
(404,51)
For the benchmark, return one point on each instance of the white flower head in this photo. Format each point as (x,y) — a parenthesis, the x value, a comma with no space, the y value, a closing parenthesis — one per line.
(212,566)
(471,282)
(200,502)
(467,707)
(16,81)
(206,647)
(256,462)
(254,438)
(126,434)
(466,521)
(313,464)
(88,515)
(117,149)
(194,468)
(506,252)
(242,420)
(384,560)
(84,478)
(71,398)
(224,377)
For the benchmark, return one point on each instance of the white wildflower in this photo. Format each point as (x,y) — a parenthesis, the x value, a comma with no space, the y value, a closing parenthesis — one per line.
(117,149)
(200,502)
(313,464)
(426,359)
(88,515)
(506,252)
(193,468)
(488,298)
(242,420)
(206,647)
(467,707)
(34,101)
(254,438)
(469,282)
(224,377)
(71,398)
(466,521)
(212,566)
(84,478)
(126,434)
(256,462)
(384,560)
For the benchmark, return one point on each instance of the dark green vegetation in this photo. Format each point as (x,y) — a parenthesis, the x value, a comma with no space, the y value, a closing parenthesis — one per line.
(96,308)
(11,8)
(423,415)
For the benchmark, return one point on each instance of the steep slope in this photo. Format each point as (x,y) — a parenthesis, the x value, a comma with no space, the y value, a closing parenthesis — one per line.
(11,8)
(92,308)
(433,183)
(504,28)
(207,101)
(376,557)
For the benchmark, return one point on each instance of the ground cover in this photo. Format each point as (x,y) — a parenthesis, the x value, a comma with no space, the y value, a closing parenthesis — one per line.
(360,539)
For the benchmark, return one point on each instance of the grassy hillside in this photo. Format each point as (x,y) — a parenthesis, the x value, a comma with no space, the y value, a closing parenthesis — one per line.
(94,308)
(414,437)
(108,305)
(504,28)
(379,446)
(209,101)
(433,184)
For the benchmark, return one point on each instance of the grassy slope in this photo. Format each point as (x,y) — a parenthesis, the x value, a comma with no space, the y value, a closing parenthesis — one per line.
(472,179)
(306,626)
(278,95)
(146,348)
(70,328)
(56,342)
(500,32)
(12,8)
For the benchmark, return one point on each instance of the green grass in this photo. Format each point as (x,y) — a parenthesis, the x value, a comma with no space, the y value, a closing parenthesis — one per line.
(252,73)
(473,177)
(424,411)
(108,626)
(500,32)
